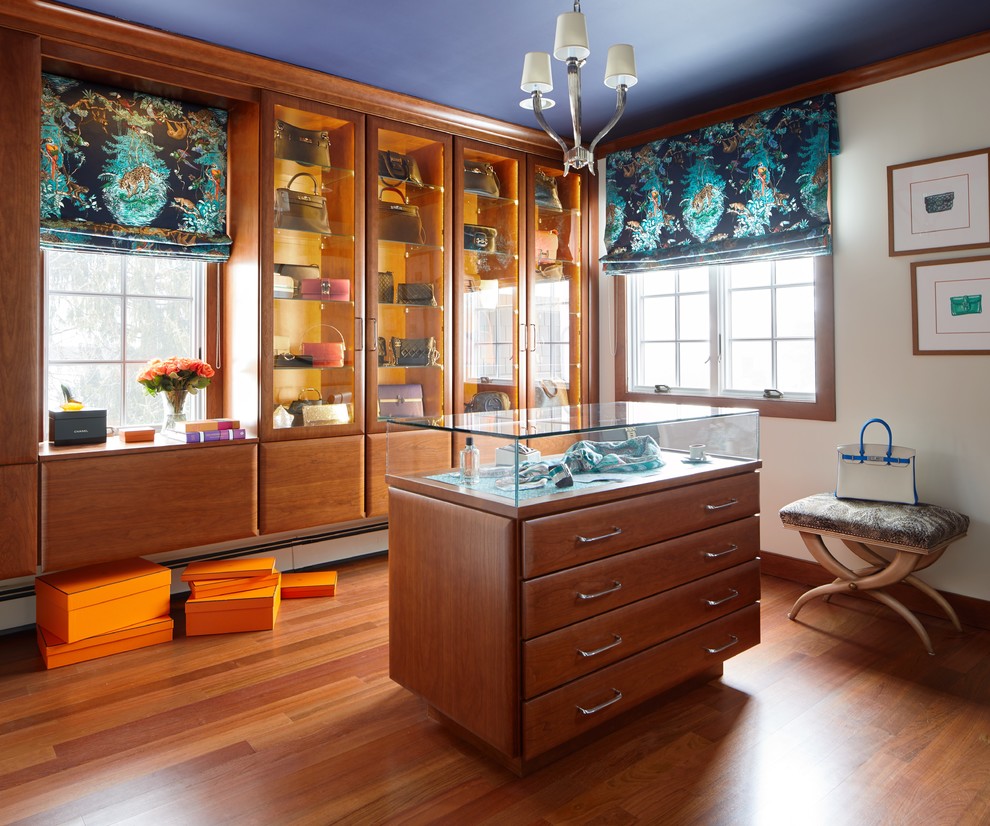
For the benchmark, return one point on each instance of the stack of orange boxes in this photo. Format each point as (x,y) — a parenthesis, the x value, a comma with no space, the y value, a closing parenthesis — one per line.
(231,595)
(98,610)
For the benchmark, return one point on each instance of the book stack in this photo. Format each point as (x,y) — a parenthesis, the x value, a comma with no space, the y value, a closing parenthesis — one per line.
(232,595)
(309,584)
(98,610)
(206,430)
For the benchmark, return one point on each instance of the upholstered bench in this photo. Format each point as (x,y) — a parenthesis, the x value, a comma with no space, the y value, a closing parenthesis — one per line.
(896,540)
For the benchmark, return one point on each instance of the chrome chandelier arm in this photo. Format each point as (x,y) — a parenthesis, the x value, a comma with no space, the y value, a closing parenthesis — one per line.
(538,111)
(620,107)
(574,93)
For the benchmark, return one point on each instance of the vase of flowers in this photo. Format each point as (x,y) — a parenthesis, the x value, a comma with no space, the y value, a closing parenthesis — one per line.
(174,380)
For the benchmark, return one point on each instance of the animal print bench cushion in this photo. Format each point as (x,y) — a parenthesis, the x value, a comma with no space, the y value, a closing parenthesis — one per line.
(911,526)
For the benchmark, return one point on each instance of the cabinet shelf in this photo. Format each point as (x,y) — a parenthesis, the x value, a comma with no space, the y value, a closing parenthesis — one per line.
(328,174)
(319,298)
(410,247)
(333,236)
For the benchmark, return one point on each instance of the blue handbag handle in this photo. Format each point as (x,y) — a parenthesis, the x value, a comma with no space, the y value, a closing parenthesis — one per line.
(862,435)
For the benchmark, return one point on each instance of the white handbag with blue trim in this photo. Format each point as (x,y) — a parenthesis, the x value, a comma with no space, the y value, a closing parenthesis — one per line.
(877,472)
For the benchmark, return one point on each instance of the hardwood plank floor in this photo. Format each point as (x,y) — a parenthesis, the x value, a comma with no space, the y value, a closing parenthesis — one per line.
(841,718)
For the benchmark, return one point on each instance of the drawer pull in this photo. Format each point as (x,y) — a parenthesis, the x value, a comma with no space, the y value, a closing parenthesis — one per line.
(733,593)
(733,639)
(603,649)
(614,532)
(600,706)
(716,554)
(616,585)
(728,504)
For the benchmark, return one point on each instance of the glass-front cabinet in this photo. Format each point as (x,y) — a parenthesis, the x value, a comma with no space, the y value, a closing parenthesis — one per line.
(556,345)
(490,284)
(315,356)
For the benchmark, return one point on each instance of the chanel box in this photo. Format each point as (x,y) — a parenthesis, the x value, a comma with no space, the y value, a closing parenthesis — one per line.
(77,427)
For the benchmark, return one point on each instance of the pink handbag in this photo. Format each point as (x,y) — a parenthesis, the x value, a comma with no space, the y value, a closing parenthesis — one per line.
(325,353)
(331,289)
(547,241)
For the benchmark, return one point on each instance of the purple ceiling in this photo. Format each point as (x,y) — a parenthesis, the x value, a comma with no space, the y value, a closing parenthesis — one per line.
(469,55)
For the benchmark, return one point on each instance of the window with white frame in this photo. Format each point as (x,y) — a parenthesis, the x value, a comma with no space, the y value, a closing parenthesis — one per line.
(107,315)
(744,331)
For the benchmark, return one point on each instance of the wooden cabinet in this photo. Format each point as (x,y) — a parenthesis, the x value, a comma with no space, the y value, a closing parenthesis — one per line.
(526,627)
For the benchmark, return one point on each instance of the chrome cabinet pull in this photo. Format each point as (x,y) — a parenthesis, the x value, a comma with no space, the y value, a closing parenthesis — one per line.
(733,639)
(614,532)
(733,593)
(616,585)
(726,552)
(600,706)
(728,504)
(603,649)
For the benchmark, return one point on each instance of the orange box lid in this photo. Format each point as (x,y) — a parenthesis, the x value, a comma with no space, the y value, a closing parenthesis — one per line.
(317,583)
(215,587)
(240,567)
(92,584)
(243,600)
(57,653)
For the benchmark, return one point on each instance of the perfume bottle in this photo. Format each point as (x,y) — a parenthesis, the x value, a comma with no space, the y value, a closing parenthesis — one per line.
(470,463)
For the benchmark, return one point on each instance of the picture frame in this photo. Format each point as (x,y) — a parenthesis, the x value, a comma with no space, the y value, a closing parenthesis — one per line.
(950,301)
(939,203)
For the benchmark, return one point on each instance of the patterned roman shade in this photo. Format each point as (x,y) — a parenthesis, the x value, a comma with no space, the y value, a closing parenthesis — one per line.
(755,187)
(130,172)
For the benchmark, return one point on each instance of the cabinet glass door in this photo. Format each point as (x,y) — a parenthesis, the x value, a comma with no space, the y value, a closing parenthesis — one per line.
(316,378)
(487,289)
(407,268)
(554,343)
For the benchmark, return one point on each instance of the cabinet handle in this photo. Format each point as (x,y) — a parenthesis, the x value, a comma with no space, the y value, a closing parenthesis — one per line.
(523,338)
(716,554)
(616,585)
(532,345)
(603,649)
(733,593)
(733,639)
(614,532)
(728,504)
(374,334)
(359,338)
(600,706)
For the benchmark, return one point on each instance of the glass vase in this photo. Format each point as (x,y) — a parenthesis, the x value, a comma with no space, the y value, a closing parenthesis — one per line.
(173,405)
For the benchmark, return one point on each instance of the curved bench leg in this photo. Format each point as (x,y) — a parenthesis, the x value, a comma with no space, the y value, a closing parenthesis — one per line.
(840,586)
(911,619)
(936,597)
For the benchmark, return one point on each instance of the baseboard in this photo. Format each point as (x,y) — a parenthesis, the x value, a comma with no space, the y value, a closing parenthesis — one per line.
(972,611)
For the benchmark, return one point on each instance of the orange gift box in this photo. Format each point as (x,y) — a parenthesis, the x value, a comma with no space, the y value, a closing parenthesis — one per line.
(309,584)
(199,588)
(237,568)
(96,599)
(56,652)
(231,613)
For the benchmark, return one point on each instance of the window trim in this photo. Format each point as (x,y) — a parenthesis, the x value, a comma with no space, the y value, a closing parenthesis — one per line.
(821,409)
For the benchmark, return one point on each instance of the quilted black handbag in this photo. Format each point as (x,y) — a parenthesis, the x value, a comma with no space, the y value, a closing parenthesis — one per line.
(415,352)
(398,167)
(308,146)
(399,222)
(301,210)
(480,179)
(421,294)
(386,287)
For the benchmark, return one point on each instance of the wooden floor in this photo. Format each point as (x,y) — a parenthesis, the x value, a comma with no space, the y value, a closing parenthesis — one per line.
(839,719)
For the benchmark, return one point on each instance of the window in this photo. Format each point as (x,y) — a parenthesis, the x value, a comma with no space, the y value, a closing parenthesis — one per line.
(107,315)
(755,334)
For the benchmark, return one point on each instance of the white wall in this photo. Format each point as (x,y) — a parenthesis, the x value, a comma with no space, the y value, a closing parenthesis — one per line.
(939,405)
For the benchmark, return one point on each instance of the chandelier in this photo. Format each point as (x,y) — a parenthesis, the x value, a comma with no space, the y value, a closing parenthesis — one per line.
(571,46)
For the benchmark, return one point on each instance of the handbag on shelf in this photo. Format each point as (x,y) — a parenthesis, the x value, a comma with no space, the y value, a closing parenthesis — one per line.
(547,196)
(386,288)
(400,400)
(877,472)
(481,179)
(329,289)
(487,401)
(413,293)
(399,221)
(551,393)
(547,242)
(291,361)
(326,414)
(325,353)
(415,352)
(280,344)
(306,146)
(301,210)
(550,271)
(298,272)
(383,359)
(398,167)
(479,239)
(284,286)
(308,397)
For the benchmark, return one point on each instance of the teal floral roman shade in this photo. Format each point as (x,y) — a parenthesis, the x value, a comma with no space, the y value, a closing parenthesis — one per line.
(755,187)
(129,172)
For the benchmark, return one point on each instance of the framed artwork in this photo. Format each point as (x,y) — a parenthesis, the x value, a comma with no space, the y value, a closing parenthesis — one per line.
(940,203)
(951,303)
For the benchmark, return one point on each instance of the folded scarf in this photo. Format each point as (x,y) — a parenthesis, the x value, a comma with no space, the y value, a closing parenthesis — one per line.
(631,456)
